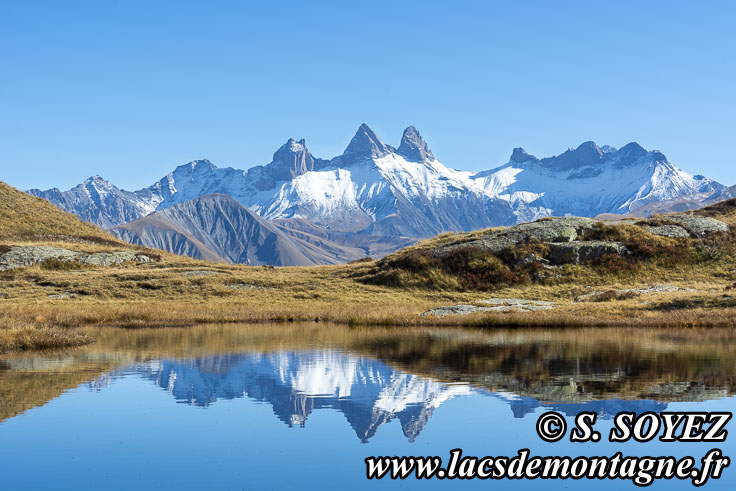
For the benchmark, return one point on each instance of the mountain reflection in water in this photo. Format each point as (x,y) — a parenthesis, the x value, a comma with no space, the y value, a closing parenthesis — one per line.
(374,376)
(368,392)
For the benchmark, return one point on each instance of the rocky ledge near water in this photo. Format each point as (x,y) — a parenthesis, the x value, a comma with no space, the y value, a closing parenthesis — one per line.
(23,256)
(492,305)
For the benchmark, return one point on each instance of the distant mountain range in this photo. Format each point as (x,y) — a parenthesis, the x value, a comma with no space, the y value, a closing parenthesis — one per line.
(680,204)
(388,196)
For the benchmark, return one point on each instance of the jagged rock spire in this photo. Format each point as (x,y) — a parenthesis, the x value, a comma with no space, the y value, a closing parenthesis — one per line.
(365,144)
(520,155)
(413,146)
(292,159)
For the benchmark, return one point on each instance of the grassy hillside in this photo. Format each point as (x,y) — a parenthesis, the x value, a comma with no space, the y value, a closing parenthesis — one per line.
(25,217)
(470,266)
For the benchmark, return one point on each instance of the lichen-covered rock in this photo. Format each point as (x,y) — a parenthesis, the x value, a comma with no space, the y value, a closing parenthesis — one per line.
(111,258)
(496,305)
(671,231)
(454,310)
(560,229)
(577,252)
(629,292)
(519,304)
(533,258)
(22,256)
(698,225)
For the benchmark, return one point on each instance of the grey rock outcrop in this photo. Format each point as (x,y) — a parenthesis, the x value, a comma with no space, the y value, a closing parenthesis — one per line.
(699,226)
(22,256)
(671,231)
(518,304)
(629,292)
(577,252)
(496,305)
(562,229)
(460,309)
(565,237)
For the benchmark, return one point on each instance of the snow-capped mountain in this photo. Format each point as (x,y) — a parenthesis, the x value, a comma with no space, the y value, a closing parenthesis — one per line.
(376,189)
(590,180)
(99,201)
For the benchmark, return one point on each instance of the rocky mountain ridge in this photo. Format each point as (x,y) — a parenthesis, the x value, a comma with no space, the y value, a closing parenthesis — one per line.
(374,189)
(381,190)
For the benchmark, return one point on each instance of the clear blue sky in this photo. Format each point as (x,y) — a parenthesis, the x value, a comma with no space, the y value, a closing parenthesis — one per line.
(129,89)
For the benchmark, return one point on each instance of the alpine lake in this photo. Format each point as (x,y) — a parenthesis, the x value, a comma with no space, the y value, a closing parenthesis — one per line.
(299,406)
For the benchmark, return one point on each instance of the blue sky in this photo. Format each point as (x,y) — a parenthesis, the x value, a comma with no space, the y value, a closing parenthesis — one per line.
(129,90)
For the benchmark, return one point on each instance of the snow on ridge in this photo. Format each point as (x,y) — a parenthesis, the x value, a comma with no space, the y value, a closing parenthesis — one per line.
(415,196)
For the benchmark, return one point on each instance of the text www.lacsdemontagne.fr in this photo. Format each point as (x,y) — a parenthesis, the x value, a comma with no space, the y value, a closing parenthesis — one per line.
(642,471)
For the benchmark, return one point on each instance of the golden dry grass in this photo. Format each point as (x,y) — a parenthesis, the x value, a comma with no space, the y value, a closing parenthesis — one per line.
(177,294)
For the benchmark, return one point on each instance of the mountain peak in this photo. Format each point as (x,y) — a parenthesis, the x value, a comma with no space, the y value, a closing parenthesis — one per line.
(292,159)
(365,144)
(98,184)
(196,166)
(96,179)
(587,154)
(589,149)
(519,155)
(413,146)
(293,146)
(633,151)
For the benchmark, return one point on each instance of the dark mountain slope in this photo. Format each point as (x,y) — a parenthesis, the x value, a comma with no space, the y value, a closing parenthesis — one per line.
(217,228)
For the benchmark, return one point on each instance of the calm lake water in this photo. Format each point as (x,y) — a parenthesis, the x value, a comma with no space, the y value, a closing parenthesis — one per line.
(302,406)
